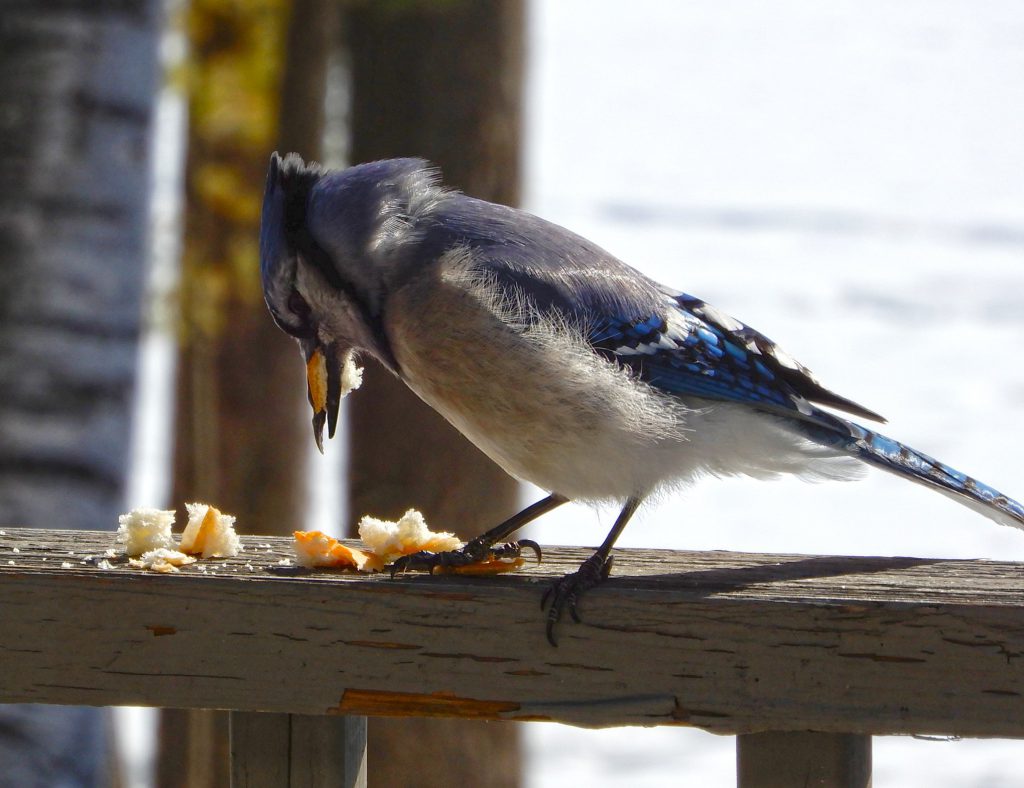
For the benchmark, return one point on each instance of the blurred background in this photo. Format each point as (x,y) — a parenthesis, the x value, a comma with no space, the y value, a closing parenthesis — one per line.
(846,177)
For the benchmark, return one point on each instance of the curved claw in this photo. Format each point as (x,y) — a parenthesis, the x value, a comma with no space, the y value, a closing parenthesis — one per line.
(550,590)
(572,608)
(398,566)
(533,546)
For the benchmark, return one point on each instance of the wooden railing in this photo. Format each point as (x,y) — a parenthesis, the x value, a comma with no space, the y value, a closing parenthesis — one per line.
(805,657)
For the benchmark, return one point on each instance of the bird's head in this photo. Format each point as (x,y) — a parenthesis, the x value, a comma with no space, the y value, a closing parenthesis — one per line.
(328,256)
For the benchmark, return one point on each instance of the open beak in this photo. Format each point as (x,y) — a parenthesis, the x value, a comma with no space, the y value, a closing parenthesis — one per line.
(323,380)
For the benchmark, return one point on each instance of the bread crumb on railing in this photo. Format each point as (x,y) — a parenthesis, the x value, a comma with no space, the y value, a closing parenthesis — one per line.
(387,541)
(142,530)
(409,534)
(162,560)
(147,535)
(209,533)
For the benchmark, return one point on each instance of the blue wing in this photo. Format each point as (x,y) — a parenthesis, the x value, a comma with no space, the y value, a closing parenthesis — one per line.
(690,348)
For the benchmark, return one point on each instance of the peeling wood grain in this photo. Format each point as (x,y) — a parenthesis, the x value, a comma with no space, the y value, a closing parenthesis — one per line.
(416,704)
(730,642)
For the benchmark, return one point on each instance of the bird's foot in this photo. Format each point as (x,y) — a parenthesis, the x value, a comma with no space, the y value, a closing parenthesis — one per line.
(473,552)
(566,592)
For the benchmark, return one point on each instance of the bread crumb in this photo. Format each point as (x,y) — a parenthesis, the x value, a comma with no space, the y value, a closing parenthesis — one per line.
(410,534)
(209,532)
(66,565)
(388,541)
(15,550)
(143,530)
(105,564)
(351,375)
(162,559)
(315,548)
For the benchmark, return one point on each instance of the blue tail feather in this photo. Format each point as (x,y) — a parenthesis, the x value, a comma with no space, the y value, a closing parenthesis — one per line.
(884,452)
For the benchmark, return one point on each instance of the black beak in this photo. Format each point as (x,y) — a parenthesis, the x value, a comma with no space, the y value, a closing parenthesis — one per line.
(323,381)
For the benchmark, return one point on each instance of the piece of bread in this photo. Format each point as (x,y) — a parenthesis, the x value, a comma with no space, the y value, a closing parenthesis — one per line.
(161,560)
(351,375)
(317,549)
(209,533)
(410,534)
(389,541)
(142,530)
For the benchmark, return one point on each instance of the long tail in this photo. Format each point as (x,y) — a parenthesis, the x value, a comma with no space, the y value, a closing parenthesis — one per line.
(898,458)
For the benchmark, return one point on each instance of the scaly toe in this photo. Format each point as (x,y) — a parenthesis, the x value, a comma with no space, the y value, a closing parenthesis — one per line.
(566,591)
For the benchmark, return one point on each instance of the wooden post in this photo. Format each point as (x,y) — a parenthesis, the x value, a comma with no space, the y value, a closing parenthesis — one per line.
(783,759)
(255,79)
(442,81)
(297,750)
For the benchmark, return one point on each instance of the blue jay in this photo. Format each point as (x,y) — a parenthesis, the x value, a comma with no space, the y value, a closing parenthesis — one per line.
(565,366)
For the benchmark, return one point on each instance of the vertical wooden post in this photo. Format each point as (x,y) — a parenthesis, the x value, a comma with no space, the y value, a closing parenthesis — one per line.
(255,77)
(297,750)
(783,759)
(441,80)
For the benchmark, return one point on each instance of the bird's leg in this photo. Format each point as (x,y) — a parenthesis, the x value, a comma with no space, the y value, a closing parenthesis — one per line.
(567,590)
(484,547)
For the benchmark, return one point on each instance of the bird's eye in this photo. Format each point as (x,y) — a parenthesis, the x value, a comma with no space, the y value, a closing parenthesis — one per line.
(298,306)
(298,322)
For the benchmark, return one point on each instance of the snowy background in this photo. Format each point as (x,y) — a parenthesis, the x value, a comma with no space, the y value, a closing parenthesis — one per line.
(847,178)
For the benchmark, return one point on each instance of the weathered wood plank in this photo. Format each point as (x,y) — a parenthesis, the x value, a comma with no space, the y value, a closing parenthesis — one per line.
(297,750)
(260,749)
(328,752)
(804,758)
(729,642)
